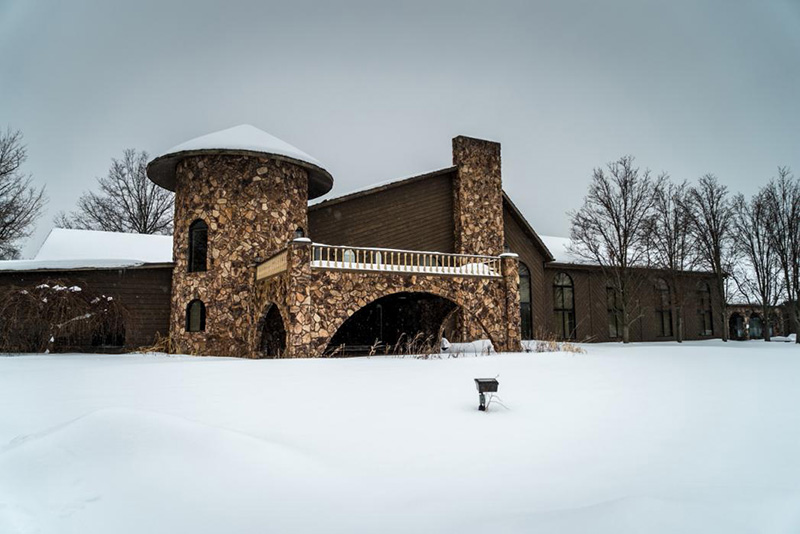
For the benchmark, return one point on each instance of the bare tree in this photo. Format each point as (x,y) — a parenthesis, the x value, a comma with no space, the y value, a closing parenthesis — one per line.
(126,202)
(669,243)
(762,273)
(783,199)
(20,202)
(711,215)
(610,229)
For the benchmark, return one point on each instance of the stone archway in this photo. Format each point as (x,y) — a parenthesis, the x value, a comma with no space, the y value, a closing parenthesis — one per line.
(736,326)
(272,331)
(406,321)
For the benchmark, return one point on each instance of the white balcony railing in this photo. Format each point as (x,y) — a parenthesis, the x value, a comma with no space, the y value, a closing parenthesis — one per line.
(403,261)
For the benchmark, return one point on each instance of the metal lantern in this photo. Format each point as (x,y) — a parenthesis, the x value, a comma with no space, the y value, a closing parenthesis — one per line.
(485,385)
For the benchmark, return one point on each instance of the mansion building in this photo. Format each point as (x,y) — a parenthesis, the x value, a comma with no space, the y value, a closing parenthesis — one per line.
(260,265)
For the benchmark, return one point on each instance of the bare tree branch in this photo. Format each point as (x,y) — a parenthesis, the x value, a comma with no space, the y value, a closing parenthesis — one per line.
(20,202)
(127,201)
(610,229)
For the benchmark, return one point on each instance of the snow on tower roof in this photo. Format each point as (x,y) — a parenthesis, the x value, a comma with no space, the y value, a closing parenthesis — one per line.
(245,140)
(90,249)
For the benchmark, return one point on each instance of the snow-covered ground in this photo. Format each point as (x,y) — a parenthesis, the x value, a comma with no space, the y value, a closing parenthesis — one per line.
(646,438)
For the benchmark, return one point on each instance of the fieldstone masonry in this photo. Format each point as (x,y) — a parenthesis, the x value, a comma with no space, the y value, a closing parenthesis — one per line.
(478,197)
(252,207)
(316,302)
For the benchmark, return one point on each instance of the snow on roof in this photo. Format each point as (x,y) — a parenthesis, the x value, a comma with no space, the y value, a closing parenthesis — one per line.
(559,248)
(242,138)
(91,249)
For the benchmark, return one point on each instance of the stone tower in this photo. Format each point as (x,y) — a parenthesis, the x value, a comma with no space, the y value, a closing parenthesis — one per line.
(248,191)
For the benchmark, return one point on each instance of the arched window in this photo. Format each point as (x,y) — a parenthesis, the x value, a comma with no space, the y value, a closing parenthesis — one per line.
(196,316)
(525,313)
(198,246)
(564,306)
(663,309)
(299,232)
(756,327)
(706,319)
(614,313)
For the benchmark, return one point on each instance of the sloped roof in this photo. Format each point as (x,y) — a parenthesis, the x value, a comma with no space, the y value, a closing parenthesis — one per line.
(559,247)
(245,140)
(65,249)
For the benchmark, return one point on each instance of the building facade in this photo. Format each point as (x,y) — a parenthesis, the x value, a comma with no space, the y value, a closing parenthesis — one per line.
(261,267)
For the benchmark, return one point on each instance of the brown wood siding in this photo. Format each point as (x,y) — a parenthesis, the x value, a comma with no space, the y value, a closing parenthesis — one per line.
(519,242)
(417,215)
(144,292)
(591,311)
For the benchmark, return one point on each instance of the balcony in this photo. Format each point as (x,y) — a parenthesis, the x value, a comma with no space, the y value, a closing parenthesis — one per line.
(346,258)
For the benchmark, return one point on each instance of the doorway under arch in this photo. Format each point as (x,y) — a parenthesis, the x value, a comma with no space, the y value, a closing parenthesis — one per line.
(273,334)
(736,326)
(406,322)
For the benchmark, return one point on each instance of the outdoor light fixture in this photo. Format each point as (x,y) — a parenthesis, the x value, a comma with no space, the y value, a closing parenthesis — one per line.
(485,385)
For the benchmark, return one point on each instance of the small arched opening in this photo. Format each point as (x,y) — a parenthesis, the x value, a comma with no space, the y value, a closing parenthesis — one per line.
(405,323)
(756,327)
(736,326)
(273,334)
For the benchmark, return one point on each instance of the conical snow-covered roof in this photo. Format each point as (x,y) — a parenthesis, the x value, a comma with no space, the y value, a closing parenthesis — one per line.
(245,140)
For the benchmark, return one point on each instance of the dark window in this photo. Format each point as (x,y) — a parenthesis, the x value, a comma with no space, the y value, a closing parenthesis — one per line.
(706,322)
(196,316)
(564,306)
(198,246)
(525,313)
(299,232)
(756,327)
(614,313)
(663,309)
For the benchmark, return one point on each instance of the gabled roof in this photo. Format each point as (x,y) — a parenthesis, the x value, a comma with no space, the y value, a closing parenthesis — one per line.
(526,226)
(560,247)
(243,140)
(378,188)
(65,249)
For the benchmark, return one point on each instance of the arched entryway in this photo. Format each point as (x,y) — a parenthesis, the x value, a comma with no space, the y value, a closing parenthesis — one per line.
(273,333)
(736,326)
(406,322)
(756,327)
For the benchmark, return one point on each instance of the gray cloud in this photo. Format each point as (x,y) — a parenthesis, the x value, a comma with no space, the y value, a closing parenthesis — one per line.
(376,90)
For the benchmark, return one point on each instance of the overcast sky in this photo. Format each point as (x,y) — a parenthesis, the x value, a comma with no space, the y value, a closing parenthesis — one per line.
(376,90)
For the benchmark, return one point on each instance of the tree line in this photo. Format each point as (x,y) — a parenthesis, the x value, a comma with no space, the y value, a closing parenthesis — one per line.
(125,199)
(633,220)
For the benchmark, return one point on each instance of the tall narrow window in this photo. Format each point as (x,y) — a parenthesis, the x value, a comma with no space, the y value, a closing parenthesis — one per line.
(614,313)
(525,312)
(198,246)
(564,306)
(196,316)
(663,309)
(706,322)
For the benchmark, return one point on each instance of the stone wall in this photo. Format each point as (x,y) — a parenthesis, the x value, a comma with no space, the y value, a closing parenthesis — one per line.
(252,207)
(477,197)
(317,302)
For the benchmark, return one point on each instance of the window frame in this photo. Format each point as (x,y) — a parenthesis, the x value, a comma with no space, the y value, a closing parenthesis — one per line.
(663,308)
(525,307)
(202,319)
(706,310)
(566,326)
(197,226)
(614,313)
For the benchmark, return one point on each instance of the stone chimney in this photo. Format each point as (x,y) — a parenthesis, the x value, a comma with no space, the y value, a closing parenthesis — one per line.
(478,197)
